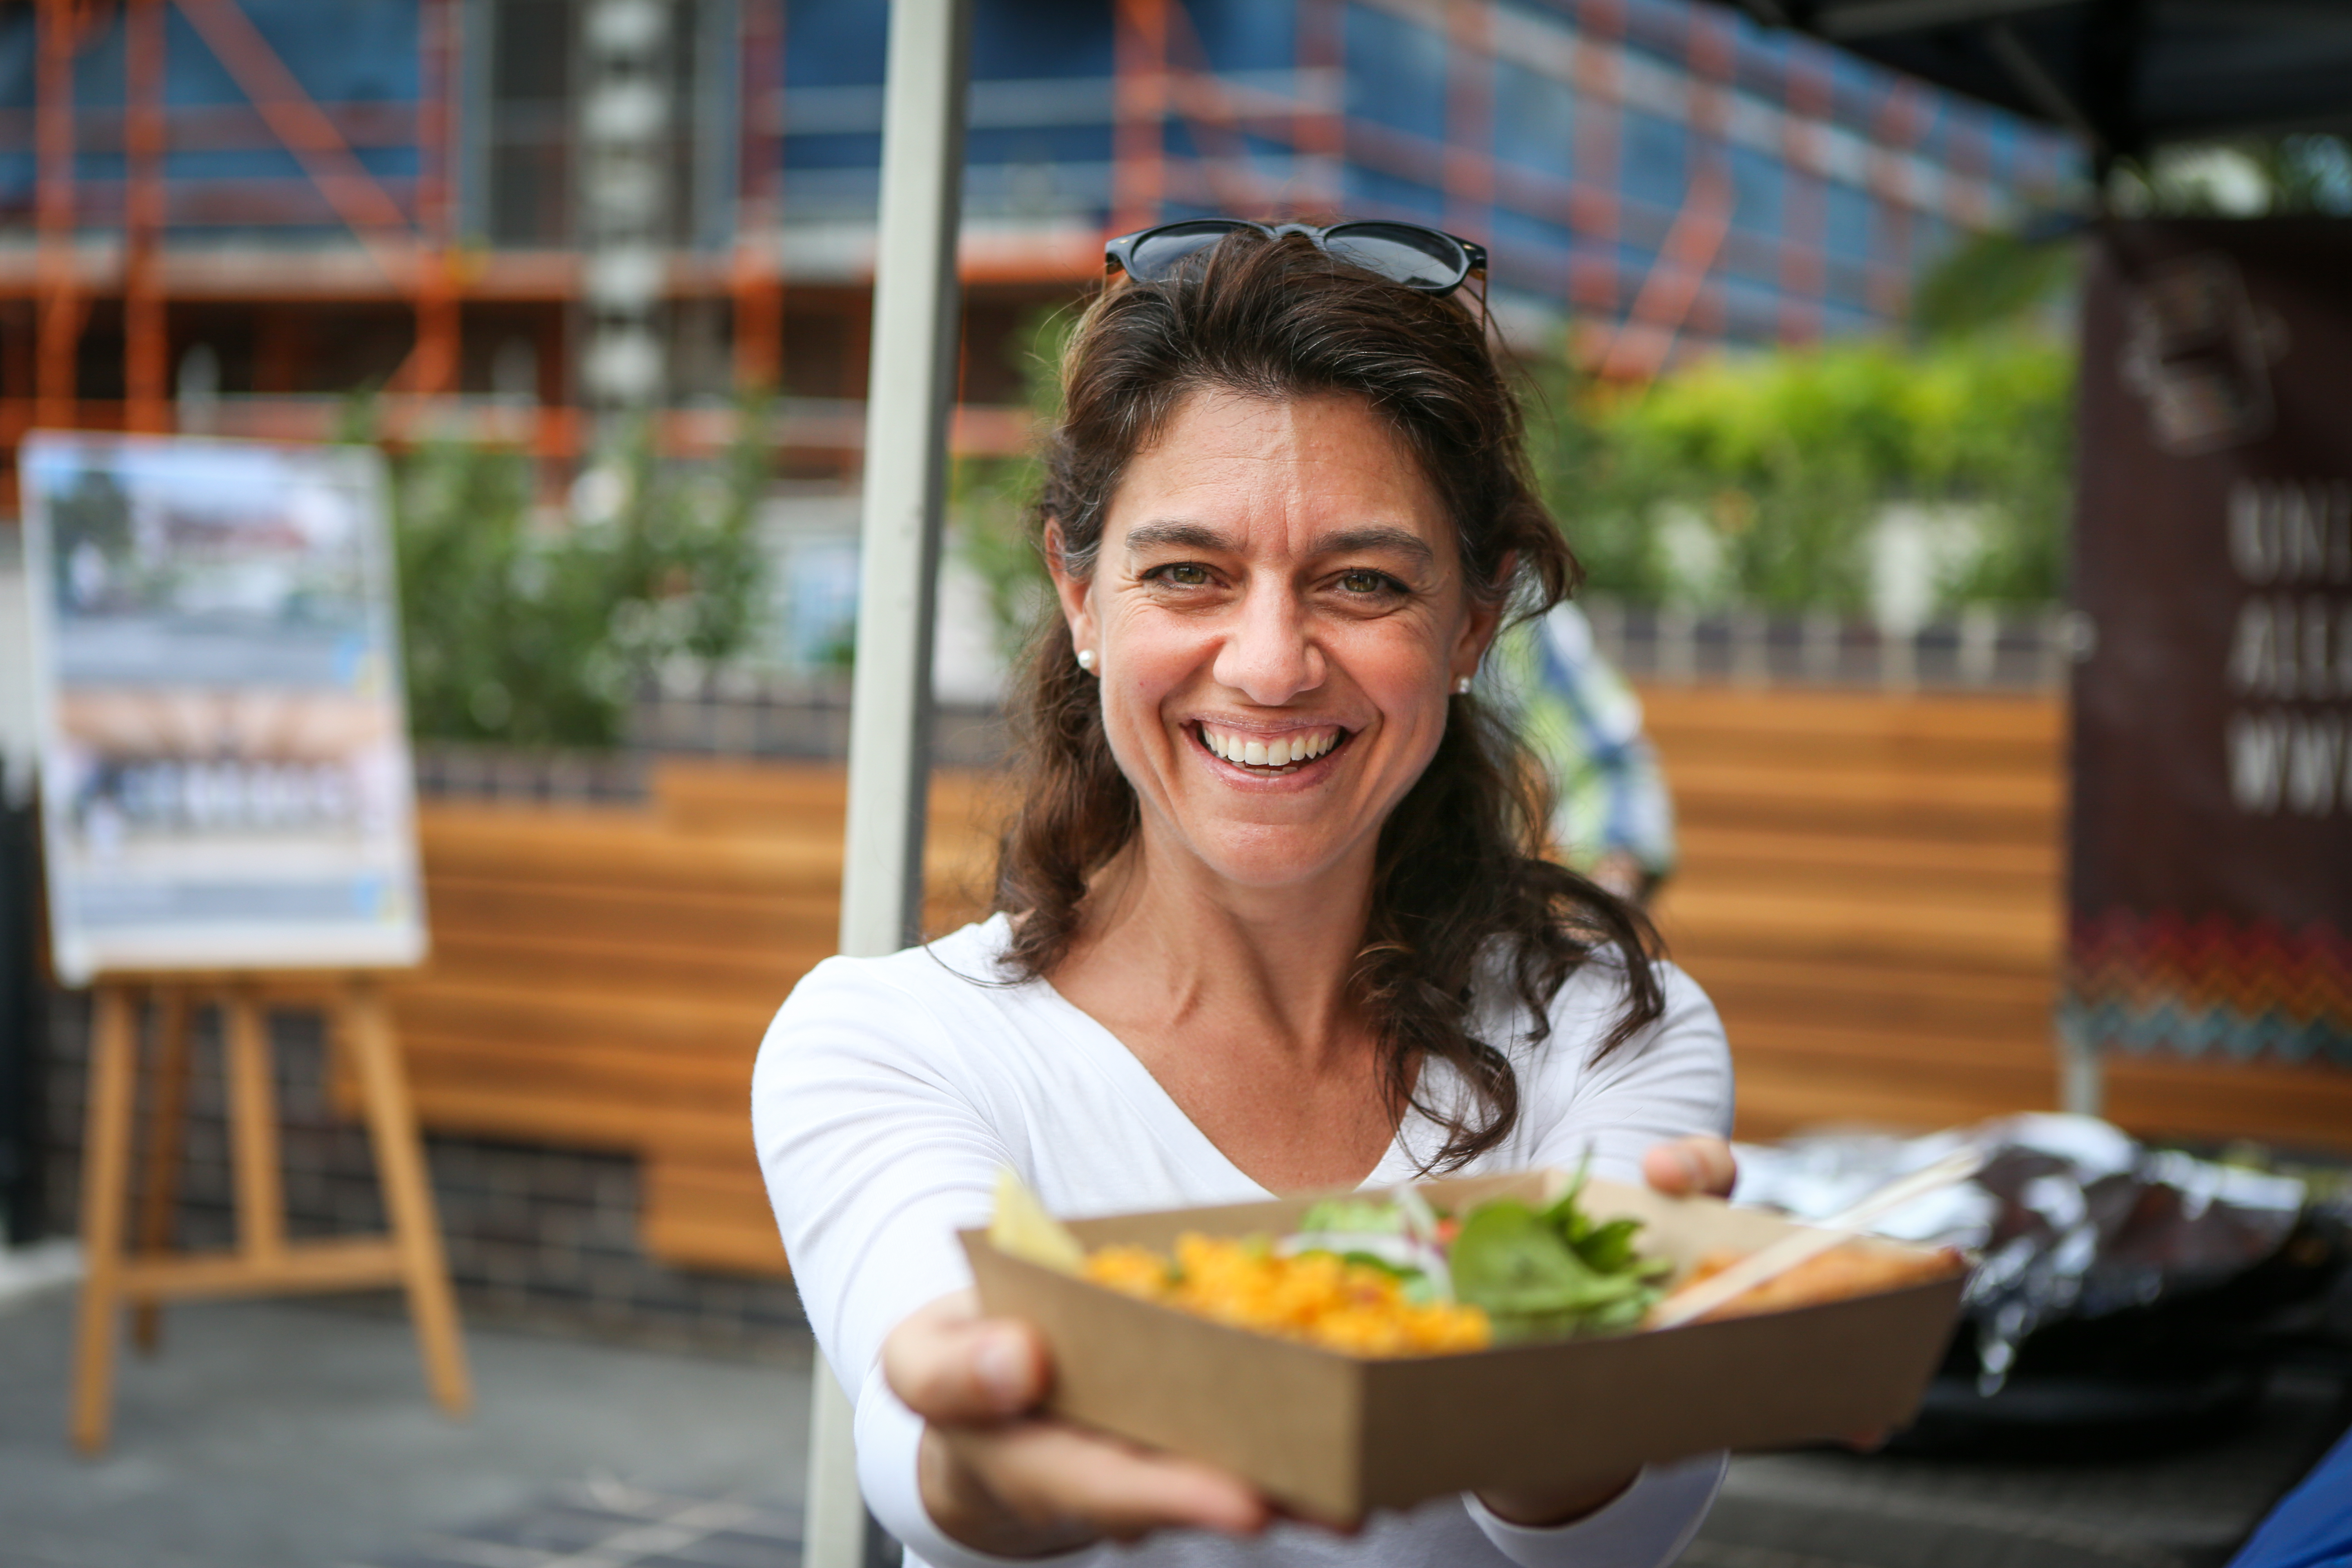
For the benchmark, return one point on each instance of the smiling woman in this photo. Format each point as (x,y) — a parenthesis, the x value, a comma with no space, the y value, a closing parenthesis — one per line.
(1275,914)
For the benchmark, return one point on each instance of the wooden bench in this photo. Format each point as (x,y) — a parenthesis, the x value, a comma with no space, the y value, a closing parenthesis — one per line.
(601,977)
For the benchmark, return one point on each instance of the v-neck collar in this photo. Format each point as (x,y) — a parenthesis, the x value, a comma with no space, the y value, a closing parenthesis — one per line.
(1151,1102)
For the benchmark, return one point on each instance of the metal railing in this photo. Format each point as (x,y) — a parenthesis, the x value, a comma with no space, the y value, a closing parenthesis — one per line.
(1980,650)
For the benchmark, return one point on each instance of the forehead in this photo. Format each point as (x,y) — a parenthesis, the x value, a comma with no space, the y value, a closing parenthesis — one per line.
(1281,470)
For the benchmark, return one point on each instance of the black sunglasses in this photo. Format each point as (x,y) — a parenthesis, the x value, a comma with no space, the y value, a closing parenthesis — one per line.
(1428,260)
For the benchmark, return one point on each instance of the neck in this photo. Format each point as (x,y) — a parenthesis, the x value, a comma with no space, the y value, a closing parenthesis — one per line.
(1193,946)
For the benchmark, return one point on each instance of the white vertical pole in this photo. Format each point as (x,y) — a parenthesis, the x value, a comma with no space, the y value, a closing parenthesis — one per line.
(909,397)
(2081,1076)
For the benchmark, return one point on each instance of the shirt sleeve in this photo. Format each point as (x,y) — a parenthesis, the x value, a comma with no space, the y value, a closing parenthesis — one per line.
(1670,1081)
(1646,1526)
(876,1152)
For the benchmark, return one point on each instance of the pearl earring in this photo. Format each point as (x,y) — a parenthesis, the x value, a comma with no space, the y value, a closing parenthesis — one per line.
(1462,686)
(1087,660)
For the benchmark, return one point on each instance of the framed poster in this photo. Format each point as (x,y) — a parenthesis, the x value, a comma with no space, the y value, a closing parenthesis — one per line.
(225,767)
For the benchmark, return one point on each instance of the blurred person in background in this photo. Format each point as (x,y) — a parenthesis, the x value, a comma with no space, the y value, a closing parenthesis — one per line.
(1614,820)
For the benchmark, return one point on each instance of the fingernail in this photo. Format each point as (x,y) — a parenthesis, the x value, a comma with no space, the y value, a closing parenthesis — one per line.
(1002,1364)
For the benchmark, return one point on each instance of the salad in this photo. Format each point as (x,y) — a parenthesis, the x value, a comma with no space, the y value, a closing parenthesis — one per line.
(1536,1273)
(1381,1275)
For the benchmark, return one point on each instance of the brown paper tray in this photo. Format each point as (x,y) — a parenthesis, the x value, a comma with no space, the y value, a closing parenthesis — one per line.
(1335,1435)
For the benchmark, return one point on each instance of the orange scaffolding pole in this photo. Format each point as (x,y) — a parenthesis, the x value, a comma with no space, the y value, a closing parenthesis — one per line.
(1593,215)
(1470,117)
(1140,139)
(146,330)
(373,216)
(433,365)
(1319,132)
(757,278)
(1196,94)
(1645,340)
(1804,247)
(62,304)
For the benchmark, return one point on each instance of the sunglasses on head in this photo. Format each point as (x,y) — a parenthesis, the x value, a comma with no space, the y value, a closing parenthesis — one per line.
(1428,260)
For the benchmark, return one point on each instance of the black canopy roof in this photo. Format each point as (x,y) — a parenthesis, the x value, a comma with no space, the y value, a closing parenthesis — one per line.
(2125,74)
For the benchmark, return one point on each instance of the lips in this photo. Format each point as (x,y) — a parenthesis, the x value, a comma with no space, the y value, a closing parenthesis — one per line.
(1271,755)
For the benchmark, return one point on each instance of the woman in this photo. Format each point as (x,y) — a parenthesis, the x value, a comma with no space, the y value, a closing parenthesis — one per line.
(1273,914)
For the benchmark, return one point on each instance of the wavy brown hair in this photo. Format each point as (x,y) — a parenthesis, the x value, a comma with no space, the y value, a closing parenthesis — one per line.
(1463,887)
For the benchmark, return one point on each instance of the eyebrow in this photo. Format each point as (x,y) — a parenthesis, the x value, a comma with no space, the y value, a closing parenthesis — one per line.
(1344,542)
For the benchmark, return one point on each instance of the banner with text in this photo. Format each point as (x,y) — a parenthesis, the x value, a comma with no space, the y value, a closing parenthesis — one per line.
(2211,879)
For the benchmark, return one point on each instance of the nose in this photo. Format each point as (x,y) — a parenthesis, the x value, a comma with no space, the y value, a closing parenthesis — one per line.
(1269,654)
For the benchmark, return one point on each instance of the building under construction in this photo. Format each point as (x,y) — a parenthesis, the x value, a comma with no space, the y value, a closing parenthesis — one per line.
(511,217)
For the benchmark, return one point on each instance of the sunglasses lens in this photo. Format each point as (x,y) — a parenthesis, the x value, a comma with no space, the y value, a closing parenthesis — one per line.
(1158,253)
(1421,258)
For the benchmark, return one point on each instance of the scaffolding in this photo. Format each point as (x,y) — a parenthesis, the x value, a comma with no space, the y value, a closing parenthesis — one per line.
(1660,171)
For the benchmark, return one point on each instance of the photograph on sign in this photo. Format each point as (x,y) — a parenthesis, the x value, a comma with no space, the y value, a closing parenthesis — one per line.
(224,769)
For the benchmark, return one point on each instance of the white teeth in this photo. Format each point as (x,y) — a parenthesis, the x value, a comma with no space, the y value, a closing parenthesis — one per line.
(1282,752)
(1278,753)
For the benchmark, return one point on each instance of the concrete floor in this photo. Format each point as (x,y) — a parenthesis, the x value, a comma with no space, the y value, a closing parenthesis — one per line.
(299,1436)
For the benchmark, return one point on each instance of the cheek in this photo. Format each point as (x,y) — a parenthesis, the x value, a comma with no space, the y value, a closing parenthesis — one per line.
(1146,656)
(1401,668)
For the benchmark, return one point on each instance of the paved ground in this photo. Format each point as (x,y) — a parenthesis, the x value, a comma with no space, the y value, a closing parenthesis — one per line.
(298,1435)
(2188,1510)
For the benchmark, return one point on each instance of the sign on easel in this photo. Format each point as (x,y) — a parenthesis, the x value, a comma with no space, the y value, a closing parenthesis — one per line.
(224,761)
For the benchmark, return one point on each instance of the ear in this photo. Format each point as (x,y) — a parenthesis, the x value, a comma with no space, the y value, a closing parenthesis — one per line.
(1480,621)
(1076,601)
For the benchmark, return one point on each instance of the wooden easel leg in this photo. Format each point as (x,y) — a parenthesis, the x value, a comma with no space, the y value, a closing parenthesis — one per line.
(160,1192)
(106,1175)
(408,1196)
(253,1130)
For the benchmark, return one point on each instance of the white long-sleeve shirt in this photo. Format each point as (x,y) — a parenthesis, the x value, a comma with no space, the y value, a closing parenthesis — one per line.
(890,1090)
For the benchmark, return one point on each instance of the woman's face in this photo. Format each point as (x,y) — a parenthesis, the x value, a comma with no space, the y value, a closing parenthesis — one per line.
(1278,617)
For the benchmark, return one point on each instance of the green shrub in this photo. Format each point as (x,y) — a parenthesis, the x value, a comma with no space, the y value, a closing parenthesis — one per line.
(529,629)
(1788,458)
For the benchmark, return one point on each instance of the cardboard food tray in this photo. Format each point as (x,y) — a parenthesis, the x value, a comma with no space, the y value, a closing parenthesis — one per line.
(1334,1436)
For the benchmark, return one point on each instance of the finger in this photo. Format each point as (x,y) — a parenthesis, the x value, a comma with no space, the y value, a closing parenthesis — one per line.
(1050,1473)
(954,1367)
(1699,1164)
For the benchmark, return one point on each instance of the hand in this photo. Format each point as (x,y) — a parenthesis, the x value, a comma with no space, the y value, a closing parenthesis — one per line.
(1003,1481)
(1697,1164)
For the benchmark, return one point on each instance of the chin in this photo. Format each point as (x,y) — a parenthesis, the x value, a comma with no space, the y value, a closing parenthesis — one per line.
(1270,859)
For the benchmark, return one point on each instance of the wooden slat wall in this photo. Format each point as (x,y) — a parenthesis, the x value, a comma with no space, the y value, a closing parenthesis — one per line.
(1871,891)
(601,977)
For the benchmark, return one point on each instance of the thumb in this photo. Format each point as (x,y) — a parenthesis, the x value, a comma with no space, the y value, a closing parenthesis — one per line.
(952,1366)
(1697,1164)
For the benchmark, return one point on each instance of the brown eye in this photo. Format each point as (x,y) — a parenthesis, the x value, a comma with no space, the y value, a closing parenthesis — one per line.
(1185,574)
(1365,582)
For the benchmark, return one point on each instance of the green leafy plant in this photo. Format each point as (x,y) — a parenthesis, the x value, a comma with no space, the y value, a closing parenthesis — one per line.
(531,626)
(990,497)
(1781,461)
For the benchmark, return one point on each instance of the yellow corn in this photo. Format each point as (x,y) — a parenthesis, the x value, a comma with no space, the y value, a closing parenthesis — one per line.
(1315,1297)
